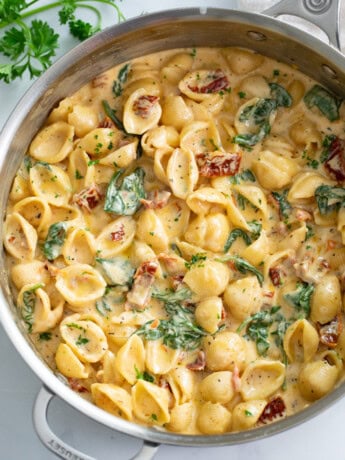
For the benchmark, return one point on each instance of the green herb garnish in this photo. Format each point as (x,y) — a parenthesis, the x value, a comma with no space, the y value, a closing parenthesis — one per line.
(196,260)
(31,47)
(45,336)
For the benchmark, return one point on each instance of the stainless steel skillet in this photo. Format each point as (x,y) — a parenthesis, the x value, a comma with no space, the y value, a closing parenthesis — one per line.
(144,35)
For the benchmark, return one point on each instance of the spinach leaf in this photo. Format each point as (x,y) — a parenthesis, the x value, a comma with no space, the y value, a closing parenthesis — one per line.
(256,115)
(257,328)
(112,115)
(245,176)
(113,295)
(179,331)
(326,144)
(259,113)
(55,239)
(329,198)
(328,104)
(29,304)
(300,298)
(243,266)
(121,79)
(125,199)
(234,234)
(280,95)
(170,296)
(117,271)
(284,205)
(255,229)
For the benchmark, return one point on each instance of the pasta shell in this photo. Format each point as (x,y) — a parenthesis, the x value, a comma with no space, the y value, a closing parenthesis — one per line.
(113,399)
(160,359)
(142,112)
(80,171)
(217,387)
(301,341)
(80,284)
(51,183)
(69,364)
(205,199)
(150,403)
(20,237)
(35,210)
(53,143)
(182,173)
(123,156)
(214,419)
(130,359)
(107,245)
(100,141)
(261,379)
(182,383)
(85,338)
(79,247)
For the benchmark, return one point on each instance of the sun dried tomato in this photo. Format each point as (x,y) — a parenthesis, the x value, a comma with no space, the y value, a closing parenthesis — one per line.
(144,104)
(220,165)
(77,386)
(156,200)
(119,234)
(275,275)
(273,409)
(219,82)
(88,198)
(335,163)
(330,332)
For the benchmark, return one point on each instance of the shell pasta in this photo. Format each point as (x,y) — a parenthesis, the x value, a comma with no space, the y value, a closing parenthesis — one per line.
(175,241)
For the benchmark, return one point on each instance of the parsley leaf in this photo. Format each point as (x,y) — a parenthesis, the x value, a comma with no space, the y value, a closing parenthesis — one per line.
(31,47)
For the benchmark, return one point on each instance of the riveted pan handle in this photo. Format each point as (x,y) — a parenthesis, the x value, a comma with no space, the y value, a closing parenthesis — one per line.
(59,447)
(323,13)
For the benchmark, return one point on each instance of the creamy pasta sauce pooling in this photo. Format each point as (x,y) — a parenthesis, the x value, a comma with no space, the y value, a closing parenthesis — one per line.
(175,238)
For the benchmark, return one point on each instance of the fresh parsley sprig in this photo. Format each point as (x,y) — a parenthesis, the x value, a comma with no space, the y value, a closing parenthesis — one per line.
(30,47)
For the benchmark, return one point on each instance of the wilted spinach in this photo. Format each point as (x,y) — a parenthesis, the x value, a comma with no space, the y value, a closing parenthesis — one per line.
(55,239)
(28,306)
(328,104)
(284,205)
(121,79)
(329,198)
(125,199)
(300,298)
(243,266)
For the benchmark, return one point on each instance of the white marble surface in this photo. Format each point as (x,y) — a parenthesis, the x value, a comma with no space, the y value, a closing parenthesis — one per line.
(320,438)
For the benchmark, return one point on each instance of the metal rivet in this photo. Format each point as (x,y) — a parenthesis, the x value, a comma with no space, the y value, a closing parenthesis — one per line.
(329,71)
(257,36)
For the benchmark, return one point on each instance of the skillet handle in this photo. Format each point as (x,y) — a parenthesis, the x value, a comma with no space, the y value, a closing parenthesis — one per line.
(59,447)
(323,13)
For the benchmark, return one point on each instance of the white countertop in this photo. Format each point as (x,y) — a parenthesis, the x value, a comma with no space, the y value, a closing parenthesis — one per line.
(320,438)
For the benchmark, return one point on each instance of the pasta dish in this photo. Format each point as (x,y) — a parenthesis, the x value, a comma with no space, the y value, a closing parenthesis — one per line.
(175,240)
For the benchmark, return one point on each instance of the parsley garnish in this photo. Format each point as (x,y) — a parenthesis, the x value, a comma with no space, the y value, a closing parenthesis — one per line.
(45,336)
(196,260)
(31,47)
